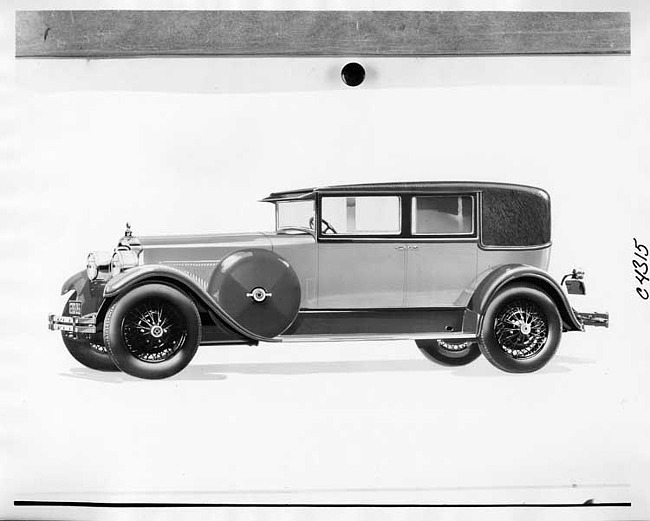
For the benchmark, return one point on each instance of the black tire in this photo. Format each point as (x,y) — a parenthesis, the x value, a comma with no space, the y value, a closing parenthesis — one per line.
(136,339)
(449,353)
(88,352)
(521,330)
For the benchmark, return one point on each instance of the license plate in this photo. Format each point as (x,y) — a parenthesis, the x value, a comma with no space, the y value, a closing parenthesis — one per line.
(74,308)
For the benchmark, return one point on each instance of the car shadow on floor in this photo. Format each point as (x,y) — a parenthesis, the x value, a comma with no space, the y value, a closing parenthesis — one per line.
(559,364)
(480,368)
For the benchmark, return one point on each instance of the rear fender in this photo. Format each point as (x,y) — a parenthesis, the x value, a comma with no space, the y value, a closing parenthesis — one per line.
(510,274)
(131,278)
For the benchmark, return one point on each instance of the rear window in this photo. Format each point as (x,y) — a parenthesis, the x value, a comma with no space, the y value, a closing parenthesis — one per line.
(515,218)
(443,215)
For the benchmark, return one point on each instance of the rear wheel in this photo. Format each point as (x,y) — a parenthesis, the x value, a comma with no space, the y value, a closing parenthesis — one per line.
(152,332)
(521,330)
(449,352)
(87,351)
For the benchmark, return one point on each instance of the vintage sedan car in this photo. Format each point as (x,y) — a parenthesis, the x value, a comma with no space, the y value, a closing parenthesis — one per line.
(459,267)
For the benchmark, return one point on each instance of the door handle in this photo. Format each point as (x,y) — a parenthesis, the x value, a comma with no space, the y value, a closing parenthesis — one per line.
(413,247)
(400,247)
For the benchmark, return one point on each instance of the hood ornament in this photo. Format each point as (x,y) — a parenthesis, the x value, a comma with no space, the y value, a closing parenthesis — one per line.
(128,232)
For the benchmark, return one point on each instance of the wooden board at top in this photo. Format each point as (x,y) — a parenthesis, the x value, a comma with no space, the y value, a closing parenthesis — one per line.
(114,34)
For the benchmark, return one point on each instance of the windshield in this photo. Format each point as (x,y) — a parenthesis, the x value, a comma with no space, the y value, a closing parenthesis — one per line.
(295,215)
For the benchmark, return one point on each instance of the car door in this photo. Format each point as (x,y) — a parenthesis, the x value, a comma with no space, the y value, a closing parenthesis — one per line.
(361,257)
(442,254)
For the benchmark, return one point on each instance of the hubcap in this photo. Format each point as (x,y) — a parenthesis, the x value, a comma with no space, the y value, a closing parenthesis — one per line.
(157,331)
(521,329)
(153,331)
(259,294)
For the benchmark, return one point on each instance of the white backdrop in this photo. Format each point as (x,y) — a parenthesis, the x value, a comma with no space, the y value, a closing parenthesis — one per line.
(189,146)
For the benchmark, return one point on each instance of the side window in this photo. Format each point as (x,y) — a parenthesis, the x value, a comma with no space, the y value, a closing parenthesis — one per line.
(443,215)
(365,215)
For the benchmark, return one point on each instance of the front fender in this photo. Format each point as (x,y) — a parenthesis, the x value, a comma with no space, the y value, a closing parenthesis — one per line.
(75,282)
(89,293)
(167,274)
(498,278)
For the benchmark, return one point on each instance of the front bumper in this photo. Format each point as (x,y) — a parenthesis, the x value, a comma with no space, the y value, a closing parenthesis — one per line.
(76,325)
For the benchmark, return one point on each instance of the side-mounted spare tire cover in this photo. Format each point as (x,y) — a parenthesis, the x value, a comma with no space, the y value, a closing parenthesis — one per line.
(258,289)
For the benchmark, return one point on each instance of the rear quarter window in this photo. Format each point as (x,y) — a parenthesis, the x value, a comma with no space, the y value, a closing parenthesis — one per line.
(515,218)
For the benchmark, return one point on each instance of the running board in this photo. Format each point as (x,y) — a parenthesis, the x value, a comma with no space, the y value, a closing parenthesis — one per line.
(377,337)
(388,324)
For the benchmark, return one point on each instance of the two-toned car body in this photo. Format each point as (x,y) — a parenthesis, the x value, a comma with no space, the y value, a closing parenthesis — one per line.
(459,267)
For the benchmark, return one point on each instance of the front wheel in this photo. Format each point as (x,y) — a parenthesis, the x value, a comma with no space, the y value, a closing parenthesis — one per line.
(449,353)
(87,352)
(521,330)
(152,332)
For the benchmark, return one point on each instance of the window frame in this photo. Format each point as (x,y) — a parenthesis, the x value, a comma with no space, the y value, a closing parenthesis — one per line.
(473,233)
(406,205)
(515,247)
(361,236)
(290,201)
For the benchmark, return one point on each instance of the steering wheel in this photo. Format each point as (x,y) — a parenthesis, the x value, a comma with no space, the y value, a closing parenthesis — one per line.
(328,226)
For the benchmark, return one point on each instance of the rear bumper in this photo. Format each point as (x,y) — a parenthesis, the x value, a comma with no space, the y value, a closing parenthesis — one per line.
(593,319)
(85,324)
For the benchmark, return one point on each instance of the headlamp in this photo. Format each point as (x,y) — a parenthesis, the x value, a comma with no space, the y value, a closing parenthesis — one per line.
(123,260)
(97,265)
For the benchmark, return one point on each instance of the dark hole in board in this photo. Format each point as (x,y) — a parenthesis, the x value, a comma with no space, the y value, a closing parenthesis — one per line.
(353,74)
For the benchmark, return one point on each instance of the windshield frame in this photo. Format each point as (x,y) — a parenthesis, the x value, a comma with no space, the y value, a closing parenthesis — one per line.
(284,229)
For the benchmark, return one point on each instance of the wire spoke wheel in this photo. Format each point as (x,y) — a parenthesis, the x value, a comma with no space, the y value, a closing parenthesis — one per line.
(153,331)
(98,348)
(87,349)
(453,347)
(521,329)
(449,352)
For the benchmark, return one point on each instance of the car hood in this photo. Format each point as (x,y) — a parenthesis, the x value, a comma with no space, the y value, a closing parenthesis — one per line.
(213,247)
(210,247)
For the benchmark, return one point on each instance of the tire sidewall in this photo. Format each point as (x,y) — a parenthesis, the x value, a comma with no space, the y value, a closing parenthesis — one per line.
(122,356)
(87,356)
(490,346)
(83,353)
